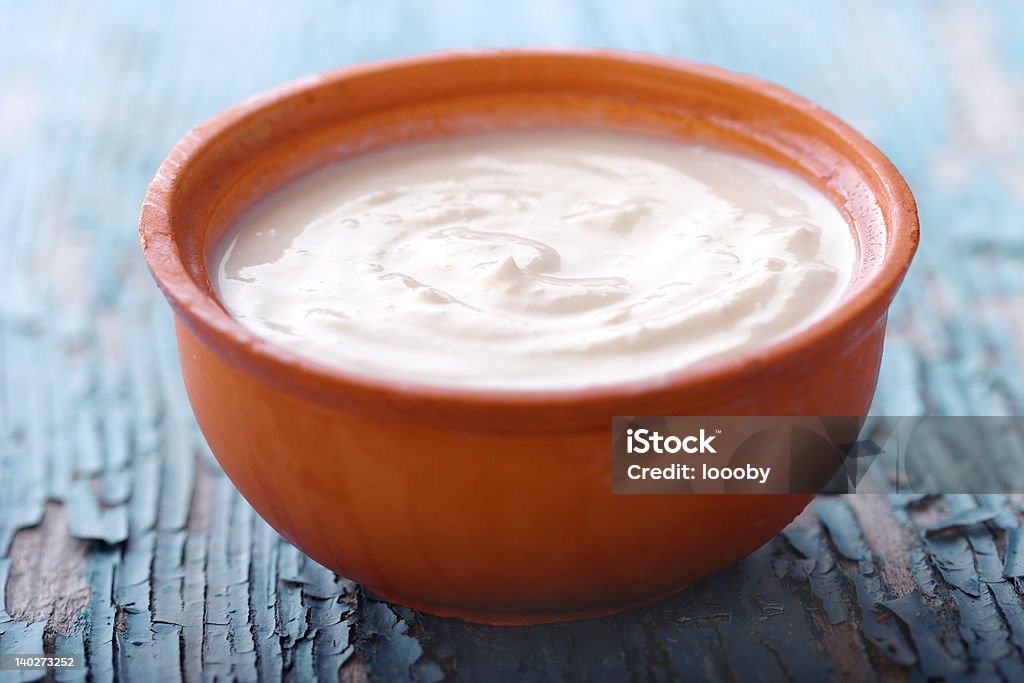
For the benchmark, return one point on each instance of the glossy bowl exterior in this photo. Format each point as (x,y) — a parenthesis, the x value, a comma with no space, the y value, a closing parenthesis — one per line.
(496,506)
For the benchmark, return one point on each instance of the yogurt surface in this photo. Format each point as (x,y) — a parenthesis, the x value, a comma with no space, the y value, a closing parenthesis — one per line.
(535,260)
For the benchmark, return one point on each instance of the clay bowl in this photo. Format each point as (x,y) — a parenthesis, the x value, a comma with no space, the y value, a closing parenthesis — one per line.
(496,506)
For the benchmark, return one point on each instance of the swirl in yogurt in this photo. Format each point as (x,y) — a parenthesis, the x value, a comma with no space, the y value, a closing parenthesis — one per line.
(535,260)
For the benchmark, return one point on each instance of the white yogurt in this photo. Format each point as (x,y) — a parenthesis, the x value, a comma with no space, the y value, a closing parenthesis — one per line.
(535,260)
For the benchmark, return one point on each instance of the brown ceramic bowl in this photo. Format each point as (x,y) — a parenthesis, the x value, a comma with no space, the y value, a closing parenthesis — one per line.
(486,505)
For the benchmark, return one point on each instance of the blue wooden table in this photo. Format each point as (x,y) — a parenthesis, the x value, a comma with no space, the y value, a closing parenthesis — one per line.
(121,540)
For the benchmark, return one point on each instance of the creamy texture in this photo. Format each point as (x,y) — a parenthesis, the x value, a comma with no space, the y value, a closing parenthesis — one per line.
(545,259)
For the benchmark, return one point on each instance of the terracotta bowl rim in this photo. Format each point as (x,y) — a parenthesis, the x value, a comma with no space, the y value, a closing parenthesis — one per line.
(322,383)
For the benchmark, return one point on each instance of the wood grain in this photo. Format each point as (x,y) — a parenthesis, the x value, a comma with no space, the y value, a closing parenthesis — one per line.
(122,541)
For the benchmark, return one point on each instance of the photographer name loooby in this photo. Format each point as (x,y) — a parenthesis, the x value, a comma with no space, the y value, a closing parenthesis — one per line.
(642,441)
